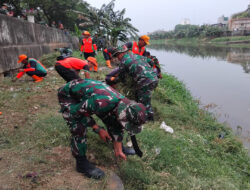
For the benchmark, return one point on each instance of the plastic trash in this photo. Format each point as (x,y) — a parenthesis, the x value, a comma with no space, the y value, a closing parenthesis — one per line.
(157,151)
(221,135)
(51,68)
(129,144)
(168,129)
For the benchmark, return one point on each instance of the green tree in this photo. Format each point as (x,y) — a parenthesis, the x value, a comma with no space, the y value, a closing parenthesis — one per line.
(106,21)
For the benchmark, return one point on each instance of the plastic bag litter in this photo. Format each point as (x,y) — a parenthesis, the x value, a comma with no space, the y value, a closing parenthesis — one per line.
(168,129)
(157,151)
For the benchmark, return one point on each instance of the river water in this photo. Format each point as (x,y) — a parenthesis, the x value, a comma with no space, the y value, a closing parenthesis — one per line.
(218,77)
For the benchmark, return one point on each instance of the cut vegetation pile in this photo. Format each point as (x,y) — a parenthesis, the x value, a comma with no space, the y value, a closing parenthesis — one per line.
(35,154)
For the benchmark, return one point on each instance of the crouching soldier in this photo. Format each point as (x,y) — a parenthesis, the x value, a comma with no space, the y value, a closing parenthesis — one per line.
(140,70)
(31,67)
(79,99)
(156,65)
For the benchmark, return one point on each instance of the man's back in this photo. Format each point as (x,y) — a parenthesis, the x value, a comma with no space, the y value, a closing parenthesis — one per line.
(93,96)
(136,66)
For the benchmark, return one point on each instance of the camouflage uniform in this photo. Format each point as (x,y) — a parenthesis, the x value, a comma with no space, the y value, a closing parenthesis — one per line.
(145,79)
(79,99)
(156,66)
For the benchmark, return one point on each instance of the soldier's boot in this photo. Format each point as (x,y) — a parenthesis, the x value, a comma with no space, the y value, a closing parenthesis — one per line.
(108,64)
(37,78)
(88,169)
(128,150)
(150,115)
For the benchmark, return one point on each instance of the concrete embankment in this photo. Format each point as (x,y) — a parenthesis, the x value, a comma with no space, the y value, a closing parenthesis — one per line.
(22,37)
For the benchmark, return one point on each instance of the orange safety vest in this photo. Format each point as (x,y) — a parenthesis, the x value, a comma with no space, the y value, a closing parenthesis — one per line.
(135,49)
(106,51)
(73,63)
(88,46)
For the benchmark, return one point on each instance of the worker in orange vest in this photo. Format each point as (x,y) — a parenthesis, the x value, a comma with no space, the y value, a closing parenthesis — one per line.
(69,68)
(93,65)
(88,48)
(139,48)
(107,56)
(31,67)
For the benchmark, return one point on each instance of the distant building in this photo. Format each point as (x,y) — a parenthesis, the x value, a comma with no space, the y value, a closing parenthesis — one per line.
(240,21)
(239,24)
(185,21)
(223,20)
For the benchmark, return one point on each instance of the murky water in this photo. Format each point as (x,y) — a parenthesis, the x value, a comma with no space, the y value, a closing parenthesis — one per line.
(219,77)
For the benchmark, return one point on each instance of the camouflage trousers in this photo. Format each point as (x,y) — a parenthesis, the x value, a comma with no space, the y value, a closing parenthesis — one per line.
(79,133)
(79,142)
(144,95)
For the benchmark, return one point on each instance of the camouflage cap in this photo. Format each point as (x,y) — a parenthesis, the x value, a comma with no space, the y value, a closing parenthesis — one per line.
(119,49)
(131,115)
(66,51)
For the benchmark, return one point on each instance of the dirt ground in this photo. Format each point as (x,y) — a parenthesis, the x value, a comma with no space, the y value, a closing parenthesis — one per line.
(29,164)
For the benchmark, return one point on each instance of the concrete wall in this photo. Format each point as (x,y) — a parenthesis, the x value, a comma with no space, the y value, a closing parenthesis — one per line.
(22,37)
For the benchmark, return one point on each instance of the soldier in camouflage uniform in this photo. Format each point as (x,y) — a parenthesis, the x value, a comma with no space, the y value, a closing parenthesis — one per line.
(156,66)
(140,70)
(79,99)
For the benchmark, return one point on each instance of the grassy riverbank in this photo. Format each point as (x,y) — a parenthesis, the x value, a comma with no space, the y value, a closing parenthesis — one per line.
(234,41)
(34,139)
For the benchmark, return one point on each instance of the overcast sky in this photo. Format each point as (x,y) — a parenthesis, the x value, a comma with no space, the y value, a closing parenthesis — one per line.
(151,15)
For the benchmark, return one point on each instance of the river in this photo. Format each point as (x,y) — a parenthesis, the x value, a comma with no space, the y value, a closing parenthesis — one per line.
(218,77)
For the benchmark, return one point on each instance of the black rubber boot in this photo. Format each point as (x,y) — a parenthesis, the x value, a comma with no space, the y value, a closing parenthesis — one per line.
(128,150)
(150,117)
(88,169)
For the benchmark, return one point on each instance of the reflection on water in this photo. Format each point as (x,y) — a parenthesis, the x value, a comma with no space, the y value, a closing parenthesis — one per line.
(218,77)
(230,54)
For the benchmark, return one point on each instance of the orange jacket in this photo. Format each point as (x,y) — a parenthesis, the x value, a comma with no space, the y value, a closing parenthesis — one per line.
(135,49)
(74,63)
(87,45)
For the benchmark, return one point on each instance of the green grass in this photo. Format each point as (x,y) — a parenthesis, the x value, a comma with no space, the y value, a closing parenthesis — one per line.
(230,39)
(193,157)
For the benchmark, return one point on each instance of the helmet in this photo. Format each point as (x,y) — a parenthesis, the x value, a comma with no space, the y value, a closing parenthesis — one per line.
(21,58)
(86,33)
(145,38)
(92,60)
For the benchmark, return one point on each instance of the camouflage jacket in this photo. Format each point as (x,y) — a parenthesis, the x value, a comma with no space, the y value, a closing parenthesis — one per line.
(139,68)
(156,64)
(79,99)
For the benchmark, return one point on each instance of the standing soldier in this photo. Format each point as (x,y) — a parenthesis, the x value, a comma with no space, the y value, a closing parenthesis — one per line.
(31,67)
(139,48)
(88,48)
(144,78)
(79,99)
